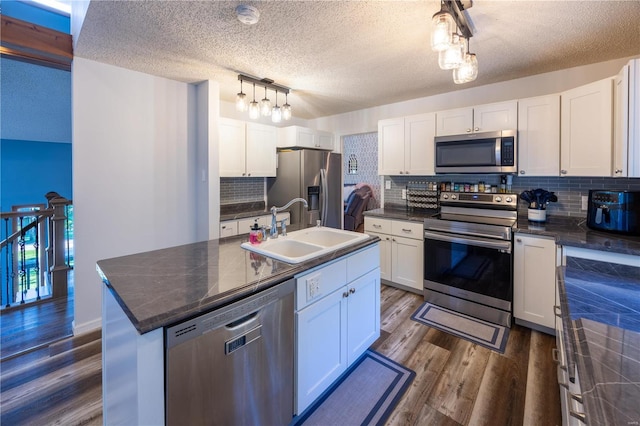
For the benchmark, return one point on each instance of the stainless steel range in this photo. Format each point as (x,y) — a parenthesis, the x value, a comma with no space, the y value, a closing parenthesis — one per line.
(468,259)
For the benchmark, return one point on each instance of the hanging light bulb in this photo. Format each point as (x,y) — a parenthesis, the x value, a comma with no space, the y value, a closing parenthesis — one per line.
(265,104)
(468,71)
(454,55)
(286,108)
(254,108)
(276,113)
(241,100)
(442,27)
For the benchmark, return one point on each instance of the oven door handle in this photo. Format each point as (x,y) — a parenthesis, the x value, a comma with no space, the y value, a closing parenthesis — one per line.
(503,246)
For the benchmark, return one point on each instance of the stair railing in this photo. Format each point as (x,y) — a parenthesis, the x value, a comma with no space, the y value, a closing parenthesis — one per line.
(27,274)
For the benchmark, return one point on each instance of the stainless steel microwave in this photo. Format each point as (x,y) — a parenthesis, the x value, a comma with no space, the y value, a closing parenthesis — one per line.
(488,152)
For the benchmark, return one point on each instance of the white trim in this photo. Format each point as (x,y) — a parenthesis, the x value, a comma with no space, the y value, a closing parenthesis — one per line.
(86,327)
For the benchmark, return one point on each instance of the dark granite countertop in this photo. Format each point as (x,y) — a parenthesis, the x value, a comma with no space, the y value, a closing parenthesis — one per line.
(401,213)
(601,306)
(573,232)
(162,287)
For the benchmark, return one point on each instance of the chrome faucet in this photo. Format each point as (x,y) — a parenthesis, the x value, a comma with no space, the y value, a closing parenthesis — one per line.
(275,210)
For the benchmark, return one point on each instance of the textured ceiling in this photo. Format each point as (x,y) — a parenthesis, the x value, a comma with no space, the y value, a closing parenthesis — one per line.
(341,56)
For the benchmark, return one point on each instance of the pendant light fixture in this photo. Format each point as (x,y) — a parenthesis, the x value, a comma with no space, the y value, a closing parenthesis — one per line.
(468,71)
(264,108)
(442,27)
(265,104)
(286,108)
(254,109)
(276,112)
(450,35)
(241,100)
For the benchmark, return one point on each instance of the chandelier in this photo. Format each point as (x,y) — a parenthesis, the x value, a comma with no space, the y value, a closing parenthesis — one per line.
(263,108)
(450,34)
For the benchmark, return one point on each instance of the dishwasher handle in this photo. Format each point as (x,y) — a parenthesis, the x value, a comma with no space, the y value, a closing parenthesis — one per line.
(242,340)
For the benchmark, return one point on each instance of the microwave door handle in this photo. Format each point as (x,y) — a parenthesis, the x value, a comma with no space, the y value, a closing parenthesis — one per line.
(498,152)
(504,246)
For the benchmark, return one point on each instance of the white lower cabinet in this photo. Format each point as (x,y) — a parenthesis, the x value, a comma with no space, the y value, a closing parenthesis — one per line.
(534,281)
(336,321)
(401,251)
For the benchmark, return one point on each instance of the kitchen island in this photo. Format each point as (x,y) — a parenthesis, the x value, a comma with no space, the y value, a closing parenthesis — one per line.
(145,293)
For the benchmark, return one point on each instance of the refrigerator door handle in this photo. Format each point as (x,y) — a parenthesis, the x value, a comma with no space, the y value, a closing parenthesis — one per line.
(323,195)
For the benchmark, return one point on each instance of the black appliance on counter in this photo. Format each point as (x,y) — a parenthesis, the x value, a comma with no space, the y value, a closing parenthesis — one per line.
(614,211)
(468,256)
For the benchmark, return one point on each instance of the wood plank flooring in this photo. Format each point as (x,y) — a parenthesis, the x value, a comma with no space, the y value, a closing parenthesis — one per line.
(457,382)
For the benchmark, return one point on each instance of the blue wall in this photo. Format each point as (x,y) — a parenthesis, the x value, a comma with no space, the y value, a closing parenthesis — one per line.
(36,15)
(31,169)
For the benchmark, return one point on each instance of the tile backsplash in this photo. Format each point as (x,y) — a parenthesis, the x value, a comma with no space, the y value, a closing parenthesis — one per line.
(569,190)
(241,190)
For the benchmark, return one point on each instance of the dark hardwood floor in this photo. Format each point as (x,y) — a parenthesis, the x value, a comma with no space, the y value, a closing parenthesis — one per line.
(457,382)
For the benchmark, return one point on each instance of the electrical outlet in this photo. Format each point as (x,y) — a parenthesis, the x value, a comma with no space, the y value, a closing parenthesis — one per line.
(313,287)
(585,202)
(387,184)
(404,194)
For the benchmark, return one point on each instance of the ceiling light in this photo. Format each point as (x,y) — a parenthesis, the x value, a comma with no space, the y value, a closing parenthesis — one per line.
(241,100)
(265,104)
(264,107)
(442,27)
(248,15)
(254,109)
(450,34)
(276,113)
(286,108)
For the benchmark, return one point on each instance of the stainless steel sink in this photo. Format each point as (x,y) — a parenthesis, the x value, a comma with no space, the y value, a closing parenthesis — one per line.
(306,244)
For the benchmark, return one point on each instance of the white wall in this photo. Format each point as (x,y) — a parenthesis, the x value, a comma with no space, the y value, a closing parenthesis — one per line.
(366,120)
(134,171)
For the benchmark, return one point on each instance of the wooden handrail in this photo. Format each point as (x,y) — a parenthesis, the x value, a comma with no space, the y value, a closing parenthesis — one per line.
(25,229)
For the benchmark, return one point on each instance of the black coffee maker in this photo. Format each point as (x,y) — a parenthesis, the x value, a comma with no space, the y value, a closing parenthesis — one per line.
(614,211)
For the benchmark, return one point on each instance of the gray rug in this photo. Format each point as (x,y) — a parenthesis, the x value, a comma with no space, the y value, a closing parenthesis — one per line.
(365,395)
(475,330)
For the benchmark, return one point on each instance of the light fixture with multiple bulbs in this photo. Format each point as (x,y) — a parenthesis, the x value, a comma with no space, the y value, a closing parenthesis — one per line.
(263,108)
(450,36)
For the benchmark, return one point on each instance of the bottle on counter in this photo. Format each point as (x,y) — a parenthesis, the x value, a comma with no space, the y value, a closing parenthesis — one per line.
(481,186)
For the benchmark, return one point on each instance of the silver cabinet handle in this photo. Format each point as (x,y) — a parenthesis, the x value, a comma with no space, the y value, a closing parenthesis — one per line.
(518,240)
(576,396)
(406,172)
(579,416)
(618,171)
(387,238)
(555,355)
(563,172)
(476,129)
(468,130)
(521,172)
(352,290)
(345,294)
(557,311)
(375,225)
(406,230)
(400,171)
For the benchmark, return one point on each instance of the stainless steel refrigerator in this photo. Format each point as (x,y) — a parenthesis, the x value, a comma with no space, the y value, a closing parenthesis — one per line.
(313,175)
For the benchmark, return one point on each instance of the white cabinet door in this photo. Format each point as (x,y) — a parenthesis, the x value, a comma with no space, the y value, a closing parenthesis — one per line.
(261,153)
(621,123)
(586,130)
(296,137)
(494,117)
(419,151)
(407,261)
(454,121)
(391,146)
(324,140)
(363,314)
(534,273)
(539,136)
(385,254)
(232,147)
(321,347)
(229,228)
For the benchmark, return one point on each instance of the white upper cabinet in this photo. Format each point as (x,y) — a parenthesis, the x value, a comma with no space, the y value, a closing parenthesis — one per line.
(302,137)
(539,136)
(481,118)
(246,149)
(586,130)
(405,145)
(626,123)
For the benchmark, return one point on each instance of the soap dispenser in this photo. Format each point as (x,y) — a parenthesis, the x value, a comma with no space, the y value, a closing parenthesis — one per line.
(256,234)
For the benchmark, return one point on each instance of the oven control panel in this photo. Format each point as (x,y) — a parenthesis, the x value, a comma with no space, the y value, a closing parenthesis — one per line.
(500,201)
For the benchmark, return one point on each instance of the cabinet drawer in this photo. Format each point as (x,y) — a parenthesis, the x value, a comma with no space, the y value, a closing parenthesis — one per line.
(375,224)
(228,229)
(362,262)
(244,225)
(321,282)
(413,230)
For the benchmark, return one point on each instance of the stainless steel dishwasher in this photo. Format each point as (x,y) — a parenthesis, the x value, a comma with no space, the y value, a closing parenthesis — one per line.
(234,365)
